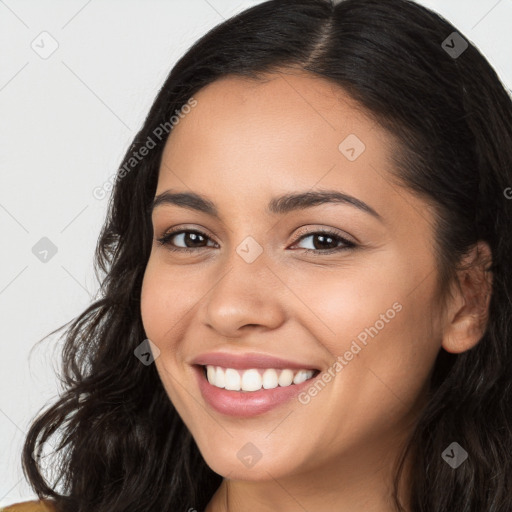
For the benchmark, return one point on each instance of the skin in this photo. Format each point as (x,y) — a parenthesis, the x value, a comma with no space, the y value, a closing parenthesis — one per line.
(244,143)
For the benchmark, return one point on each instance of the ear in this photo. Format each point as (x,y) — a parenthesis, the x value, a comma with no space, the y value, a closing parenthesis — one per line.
(468,305)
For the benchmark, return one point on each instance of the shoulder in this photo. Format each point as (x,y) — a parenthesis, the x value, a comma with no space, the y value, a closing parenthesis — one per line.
(30,506)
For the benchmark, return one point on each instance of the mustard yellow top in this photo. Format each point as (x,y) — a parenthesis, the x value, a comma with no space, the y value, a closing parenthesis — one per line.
(30,506)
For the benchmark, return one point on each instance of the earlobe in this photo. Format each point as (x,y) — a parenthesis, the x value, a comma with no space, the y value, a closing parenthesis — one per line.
(468,307)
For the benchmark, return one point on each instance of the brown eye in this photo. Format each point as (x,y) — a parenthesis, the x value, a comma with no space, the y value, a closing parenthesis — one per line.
(326,242)
(191,239)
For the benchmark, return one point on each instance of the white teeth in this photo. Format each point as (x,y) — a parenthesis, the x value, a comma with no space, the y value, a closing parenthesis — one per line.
(251,380)
(286,378)
(219,380)
(270,380)
(232,379)
(300,377)
(254,379)
(210,370)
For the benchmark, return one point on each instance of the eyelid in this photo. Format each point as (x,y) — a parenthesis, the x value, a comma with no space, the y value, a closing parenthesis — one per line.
(188,227)
(304,232)
(301,232)
(311,229)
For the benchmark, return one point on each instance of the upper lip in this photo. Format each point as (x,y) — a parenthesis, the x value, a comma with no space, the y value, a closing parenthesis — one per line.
(248,360)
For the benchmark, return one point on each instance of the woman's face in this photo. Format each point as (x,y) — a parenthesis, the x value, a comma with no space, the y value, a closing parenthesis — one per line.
(360,314)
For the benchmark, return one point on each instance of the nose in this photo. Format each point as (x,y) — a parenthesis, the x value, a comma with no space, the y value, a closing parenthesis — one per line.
(247,295)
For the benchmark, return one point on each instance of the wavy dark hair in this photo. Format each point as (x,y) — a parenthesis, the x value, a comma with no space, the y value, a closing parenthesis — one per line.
(119,442)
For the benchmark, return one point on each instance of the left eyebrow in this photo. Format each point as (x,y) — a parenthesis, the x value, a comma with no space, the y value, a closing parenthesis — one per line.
(278,205)
(290,202)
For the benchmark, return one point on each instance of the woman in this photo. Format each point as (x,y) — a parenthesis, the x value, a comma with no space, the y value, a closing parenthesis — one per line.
(306,300)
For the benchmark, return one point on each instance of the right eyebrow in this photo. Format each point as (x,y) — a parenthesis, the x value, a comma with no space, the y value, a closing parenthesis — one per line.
(188,200)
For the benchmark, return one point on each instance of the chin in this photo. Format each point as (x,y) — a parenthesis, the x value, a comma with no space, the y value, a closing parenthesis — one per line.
(239,466)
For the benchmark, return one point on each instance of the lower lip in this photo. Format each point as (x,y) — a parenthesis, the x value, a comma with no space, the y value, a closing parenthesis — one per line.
(246,404)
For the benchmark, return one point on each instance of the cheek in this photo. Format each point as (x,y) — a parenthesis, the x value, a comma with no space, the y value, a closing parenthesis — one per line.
(166,300)
(162,317)
(161,313)
(337,305)
(152,303)
(371,318)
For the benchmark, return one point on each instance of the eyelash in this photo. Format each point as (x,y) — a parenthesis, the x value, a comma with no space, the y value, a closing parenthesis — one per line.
(165,241)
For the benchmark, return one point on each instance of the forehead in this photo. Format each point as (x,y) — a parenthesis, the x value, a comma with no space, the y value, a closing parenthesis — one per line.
(288,104)
(284,116)
(263,138)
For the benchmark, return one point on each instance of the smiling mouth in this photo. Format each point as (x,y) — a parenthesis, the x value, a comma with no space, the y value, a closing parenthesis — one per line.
(255,379)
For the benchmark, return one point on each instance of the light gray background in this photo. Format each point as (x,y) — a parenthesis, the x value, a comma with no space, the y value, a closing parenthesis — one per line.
(65,123)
